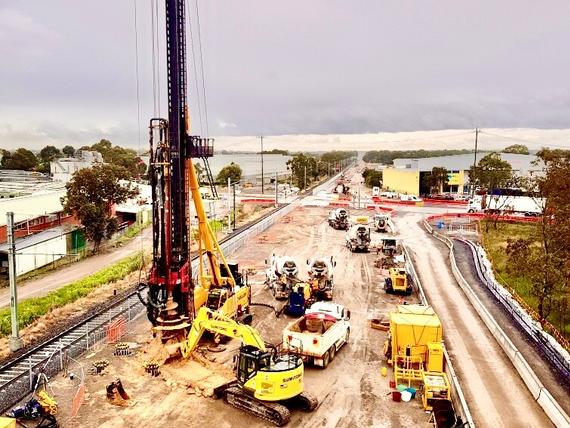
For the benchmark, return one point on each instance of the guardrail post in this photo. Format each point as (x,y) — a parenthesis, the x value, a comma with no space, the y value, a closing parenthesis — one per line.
(60,355)
(87,335)
(30,372)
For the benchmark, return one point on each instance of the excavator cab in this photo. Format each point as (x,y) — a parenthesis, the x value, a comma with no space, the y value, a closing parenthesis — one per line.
(268,376)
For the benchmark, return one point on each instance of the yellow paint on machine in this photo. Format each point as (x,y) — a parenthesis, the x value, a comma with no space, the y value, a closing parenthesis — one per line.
(402,180)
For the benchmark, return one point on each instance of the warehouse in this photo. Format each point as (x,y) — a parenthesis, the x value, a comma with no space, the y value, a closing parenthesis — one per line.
(410,176)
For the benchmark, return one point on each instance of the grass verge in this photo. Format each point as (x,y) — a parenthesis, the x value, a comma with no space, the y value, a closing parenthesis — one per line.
(31,309)
(495,244)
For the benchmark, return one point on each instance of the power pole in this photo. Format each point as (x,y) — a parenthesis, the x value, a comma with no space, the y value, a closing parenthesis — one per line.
(15,341)
(261,138)
(475,161)
(229,207)
(305,180)
(276,191)
(234,210)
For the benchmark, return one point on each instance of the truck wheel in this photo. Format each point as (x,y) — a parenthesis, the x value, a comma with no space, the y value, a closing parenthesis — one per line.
(471,210)
(332,352)
(326,360)
(347,336)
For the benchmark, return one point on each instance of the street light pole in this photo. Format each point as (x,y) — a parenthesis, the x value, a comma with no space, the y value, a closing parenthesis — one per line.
(15,341)
(234,210)
(229,207)
(261,138)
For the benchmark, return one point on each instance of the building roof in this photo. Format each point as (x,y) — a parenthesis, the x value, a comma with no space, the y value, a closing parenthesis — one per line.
(31,206)
(36,238)
(520,163)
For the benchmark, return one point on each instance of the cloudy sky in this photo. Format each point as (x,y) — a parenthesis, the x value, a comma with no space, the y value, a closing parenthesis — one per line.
(67,73)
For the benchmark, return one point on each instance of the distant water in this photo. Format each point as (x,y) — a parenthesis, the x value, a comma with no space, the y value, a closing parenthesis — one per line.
(250,163)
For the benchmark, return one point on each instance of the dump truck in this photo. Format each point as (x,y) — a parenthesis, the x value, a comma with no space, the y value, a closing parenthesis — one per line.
(319,334)
(398,281)
(415,350)
(358,238)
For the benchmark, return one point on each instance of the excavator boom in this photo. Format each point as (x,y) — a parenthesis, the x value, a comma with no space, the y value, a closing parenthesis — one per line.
(215,322)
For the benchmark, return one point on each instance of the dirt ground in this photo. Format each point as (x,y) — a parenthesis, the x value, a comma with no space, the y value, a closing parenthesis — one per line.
(351,391)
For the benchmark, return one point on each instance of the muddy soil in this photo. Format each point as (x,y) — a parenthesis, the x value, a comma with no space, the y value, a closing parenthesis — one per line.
(351,391)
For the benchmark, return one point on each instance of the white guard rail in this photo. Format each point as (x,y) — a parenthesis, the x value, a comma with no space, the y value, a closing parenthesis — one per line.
(534,385)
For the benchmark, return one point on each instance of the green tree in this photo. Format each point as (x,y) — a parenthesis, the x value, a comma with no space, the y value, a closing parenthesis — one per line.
(115,155)
(372,177)
(491,172)
(520,149)
(49,153)
(304,169)
(544,257)
(387,157)
(438,178)
(200,172)
(68,151)
(232,171)
(22,159)
(91,195)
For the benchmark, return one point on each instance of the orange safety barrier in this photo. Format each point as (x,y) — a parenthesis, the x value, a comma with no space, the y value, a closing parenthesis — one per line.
(259,201)
(116,330)
(78,400)
(339,204)
(479,216)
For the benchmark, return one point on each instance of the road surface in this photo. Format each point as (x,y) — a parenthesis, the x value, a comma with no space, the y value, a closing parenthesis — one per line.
(75,271)
(496,395)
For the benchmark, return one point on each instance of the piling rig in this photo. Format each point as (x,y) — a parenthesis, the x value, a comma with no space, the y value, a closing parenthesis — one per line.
(173,298)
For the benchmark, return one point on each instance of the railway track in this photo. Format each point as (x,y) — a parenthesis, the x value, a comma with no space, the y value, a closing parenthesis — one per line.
(17,376)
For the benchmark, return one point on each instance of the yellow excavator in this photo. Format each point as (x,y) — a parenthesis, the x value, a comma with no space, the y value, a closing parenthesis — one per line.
(268,384)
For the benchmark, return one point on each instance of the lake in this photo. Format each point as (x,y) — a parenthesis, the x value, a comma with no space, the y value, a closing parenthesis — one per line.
(250,163)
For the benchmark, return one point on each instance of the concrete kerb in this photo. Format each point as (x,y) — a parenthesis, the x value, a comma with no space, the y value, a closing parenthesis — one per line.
(457,393)
(550,406)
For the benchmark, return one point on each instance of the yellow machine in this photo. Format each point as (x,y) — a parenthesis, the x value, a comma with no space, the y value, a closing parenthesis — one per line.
(217,287)
(398,282)
(267,383)
(415,349)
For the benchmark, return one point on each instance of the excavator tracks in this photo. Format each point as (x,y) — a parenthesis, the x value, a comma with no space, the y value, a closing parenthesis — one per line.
(305,401)
(275,413)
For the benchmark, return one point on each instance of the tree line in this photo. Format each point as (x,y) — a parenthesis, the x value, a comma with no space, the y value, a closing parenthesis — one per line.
(24,159)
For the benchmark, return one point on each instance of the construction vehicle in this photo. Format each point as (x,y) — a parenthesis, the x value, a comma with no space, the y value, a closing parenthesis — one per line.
(358,238)
(383,223)
(319,334)
(299,299)
(268,383)
(281,275)
(173,296)
(415,350)
(338,219)
(42,406)
(320,270)
(398,281)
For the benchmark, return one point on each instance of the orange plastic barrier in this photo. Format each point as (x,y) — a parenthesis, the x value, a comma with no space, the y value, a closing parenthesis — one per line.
(116,330)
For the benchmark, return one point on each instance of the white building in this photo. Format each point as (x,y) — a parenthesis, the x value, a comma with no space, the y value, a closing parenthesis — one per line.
(62,169)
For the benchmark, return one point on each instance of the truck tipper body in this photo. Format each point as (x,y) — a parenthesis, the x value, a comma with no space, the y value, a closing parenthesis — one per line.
(319,334)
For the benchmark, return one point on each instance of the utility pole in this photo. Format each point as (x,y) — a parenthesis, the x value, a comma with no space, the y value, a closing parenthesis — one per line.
(15,341)
(229,207)
(234,210)
(305,180)
(261,138)
(276,191)
(475,161)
